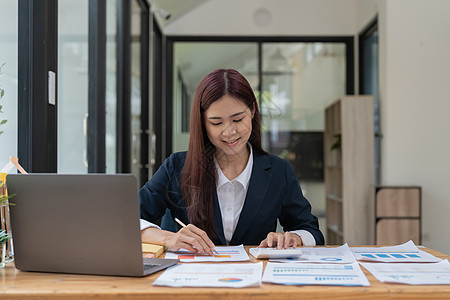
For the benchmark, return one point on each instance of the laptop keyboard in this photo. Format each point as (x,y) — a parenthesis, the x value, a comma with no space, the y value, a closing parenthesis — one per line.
(150,266)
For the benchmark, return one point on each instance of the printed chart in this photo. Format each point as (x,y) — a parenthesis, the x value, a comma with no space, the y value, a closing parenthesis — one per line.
(214,275)
(224,254)
(317,274)
(407,252)
(337,255)
(411,273)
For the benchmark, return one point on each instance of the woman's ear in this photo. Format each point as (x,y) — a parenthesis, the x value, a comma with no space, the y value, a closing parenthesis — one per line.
(253,110)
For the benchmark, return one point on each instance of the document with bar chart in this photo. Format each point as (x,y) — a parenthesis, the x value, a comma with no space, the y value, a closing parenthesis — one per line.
(331,255)
(316,274)
(407,252)
(224,254)
(411,273)
(211,275)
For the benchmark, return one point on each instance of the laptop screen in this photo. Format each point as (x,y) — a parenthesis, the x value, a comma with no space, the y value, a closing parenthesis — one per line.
(87,223)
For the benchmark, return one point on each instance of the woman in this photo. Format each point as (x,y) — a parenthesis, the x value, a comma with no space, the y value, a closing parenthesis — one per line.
(226,187)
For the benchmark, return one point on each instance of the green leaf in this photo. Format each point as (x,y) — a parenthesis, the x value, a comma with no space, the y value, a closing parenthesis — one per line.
(2,93)
(3,199)
(3,122)
(337,144)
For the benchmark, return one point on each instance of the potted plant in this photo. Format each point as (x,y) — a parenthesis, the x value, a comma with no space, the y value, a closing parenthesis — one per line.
(2,93)
(5,236)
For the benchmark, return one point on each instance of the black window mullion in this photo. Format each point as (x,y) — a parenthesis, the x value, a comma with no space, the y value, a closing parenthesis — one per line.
(167,93)
(145,58)
(97,84)
(37,52)
(123,125)
(157,70)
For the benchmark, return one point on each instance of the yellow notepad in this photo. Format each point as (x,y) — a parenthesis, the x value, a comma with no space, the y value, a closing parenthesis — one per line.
(152,248)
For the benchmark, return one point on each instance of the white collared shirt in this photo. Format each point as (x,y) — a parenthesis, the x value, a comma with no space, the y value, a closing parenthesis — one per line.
(231,196)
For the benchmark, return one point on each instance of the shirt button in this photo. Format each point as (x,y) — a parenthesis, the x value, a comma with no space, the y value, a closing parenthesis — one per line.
(229,209)
(228,229)
(230,190)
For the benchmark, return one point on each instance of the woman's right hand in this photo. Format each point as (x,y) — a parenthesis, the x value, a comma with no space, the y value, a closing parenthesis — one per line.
(191,238)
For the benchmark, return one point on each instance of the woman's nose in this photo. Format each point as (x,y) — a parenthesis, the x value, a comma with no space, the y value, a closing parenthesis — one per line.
(229,130)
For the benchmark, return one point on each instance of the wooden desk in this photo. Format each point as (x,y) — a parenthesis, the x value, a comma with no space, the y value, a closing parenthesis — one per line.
(16,284)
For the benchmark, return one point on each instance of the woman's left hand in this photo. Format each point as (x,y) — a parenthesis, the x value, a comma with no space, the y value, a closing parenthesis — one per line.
(281,240)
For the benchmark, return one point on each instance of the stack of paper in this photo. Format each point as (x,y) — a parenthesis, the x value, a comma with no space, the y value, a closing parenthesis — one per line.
(212,275)
(411,273)
(315,266)
(224,254)
(407,252)
(336,255)
(157,250)
(317,274)
(404,264)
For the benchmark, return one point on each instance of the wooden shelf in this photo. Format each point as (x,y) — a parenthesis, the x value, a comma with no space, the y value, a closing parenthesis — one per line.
(350,170)
(398,214)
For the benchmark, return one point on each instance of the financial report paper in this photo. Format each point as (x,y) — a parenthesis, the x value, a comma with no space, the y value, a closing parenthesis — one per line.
(407,252)
(411,273)
(212,275)
(337,255)
(224,254)
(315,274)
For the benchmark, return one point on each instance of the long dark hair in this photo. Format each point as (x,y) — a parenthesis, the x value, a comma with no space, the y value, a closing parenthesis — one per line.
(199,172)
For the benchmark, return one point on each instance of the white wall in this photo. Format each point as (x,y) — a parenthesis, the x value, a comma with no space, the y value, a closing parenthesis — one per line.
(416,110)
(415,104)
(288,17)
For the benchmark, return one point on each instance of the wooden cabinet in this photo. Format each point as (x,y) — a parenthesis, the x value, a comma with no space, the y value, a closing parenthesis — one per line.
(398,214)
(349,170)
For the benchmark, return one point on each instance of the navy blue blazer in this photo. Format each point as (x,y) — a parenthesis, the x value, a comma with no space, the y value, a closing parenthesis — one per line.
(273,192)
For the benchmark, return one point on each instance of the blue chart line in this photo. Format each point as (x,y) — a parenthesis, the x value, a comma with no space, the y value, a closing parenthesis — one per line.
(317,276)
(391,255)
(331,259)
(311,267)
(413,255)
(382,255)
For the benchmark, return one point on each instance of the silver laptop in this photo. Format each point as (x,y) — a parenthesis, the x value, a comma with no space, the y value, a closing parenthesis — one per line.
(84,224)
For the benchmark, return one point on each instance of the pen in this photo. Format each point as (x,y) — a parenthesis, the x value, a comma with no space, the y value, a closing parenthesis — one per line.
(184,225)
(179,222)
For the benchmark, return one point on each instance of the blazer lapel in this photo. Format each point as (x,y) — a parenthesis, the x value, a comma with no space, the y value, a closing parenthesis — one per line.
(257,188)
(218,224)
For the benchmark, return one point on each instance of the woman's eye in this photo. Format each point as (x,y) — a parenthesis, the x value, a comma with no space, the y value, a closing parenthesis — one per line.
(216,124)
(238,120)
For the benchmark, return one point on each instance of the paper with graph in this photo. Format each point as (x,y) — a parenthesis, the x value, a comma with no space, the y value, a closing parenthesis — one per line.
(315,274)
(336,255)
(407,252)
(224,254)
(411,273)
(212,275)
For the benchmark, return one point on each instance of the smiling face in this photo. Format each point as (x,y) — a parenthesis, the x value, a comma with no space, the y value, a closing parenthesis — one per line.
(228,123)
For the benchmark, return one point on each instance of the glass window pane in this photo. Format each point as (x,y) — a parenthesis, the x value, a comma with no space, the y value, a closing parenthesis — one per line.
(299,81)
(192,61)
(370,87)
(72,85)
(8,79)
(111,87)
(136,99)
